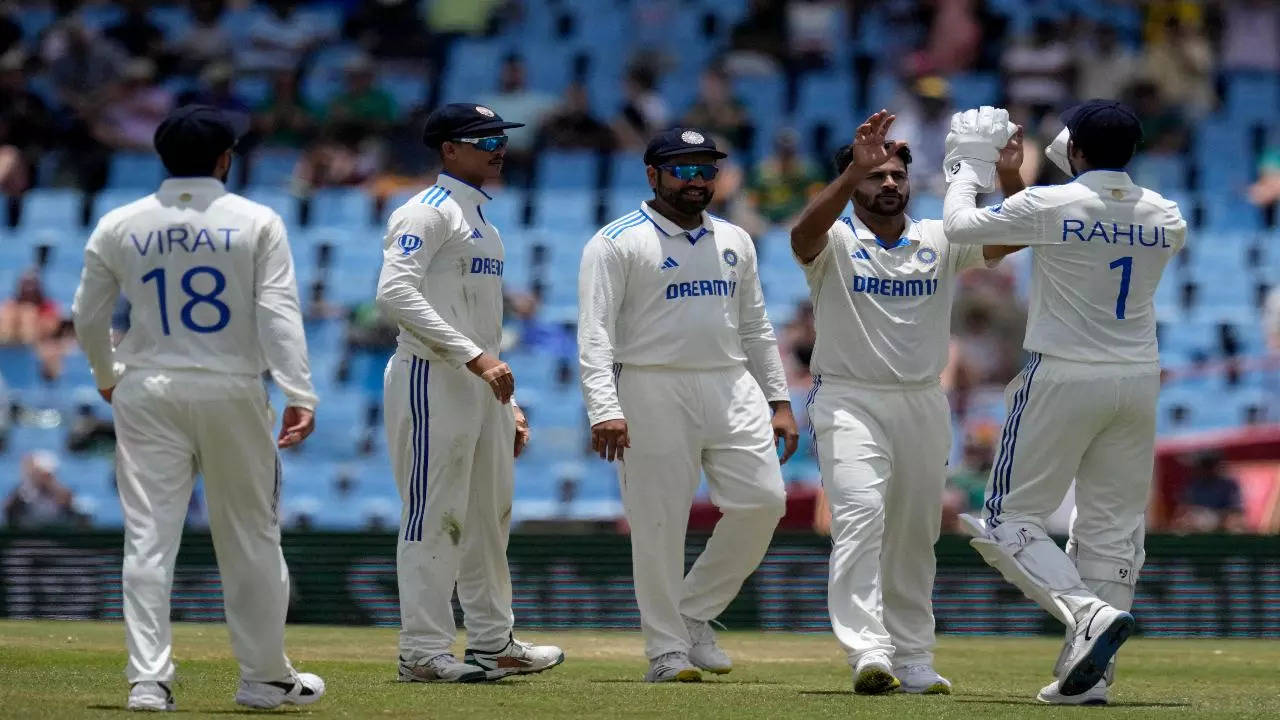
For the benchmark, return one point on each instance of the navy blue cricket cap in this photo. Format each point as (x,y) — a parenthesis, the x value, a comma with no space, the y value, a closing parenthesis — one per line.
(679,141)
(198,133)
(463,120)
(1103,124)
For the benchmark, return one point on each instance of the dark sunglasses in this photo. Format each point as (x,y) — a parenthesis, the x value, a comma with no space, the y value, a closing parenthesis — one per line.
(485,144)
(689,172)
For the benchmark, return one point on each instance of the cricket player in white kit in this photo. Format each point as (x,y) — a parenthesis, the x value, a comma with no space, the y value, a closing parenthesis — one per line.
(213,303)
(453,428)
(1084,407)
(680,369)
(882,285)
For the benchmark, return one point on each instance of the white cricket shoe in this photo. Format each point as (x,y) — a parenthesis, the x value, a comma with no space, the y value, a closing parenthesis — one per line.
(1095,642)
(301,689)
(873,676)
(922,679)
(1096,695)
(705,653)
(151,695)
(517,658)
(672,667)
(440,668)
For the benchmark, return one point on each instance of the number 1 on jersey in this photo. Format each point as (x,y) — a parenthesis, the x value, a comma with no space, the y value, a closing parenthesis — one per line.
(1126,270)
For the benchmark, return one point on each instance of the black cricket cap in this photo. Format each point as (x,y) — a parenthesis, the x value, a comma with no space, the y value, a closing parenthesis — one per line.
(1104,130)
(192,137)
(679,141)
(459,120)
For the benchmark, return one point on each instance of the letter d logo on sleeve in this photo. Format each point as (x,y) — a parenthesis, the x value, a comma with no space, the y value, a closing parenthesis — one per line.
(409,243)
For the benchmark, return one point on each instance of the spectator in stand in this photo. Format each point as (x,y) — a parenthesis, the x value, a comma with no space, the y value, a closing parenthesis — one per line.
(217,89)
(1265,192)
(87,431)
(572,126)
(79,65)
(40,500)
(25,126)
(390,29)
(1180,63)
(29,317)
(1039,72)
(205,41)
(955,39)
(136,34)
(10,29)
(278,39)
(362,103)
(285,119)
(515,99)
(1251,36)
(718,111)
(923,122)
(133,109)
(968,482)
(812,27)
(795,344)
(644,112)
(782,183)
(1106,67)
(339,158)
(758,43)
(1211,501)
(731,200)
(1164,128)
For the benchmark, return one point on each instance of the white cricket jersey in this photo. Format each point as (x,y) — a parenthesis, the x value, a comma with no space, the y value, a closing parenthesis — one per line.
(210,285)
(653,294)
(1099,246)
(441,277)
(882,310)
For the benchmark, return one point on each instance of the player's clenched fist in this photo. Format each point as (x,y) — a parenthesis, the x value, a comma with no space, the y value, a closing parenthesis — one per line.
(608,438)
(784,430)
(496,374)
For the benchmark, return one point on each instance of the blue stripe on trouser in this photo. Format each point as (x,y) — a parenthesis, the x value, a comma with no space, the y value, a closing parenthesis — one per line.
(808,411)
(419,412)
(1003,469)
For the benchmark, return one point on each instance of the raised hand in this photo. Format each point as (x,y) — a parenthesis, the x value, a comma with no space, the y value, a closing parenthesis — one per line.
(869,142)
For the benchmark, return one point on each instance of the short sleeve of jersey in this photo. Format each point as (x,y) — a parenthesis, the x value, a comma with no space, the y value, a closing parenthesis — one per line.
(837,240)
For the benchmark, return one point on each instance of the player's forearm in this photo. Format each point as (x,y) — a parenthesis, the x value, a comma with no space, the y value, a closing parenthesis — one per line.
(411,311)
(91,317)
(284,345)
(809,235)
(961,221)
(764,362)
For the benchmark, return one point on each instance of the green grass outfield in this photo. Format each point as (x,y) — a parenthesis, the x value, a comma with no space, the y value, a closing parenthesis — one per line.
(75,669)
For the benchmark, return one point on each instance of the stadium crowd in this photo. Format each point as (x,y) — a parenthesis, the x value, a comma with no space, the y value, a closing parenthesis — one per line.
(81,82)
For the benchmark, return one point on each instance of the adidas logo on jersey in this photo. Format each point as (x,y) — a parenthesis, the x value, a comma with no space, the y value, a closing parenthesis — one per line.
(670,263)
(862,254)
(475,234)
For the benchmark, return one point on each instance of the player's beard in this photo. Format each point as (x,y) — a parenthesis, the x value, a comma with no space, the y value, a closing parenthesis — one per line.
(883,203)
(689,199)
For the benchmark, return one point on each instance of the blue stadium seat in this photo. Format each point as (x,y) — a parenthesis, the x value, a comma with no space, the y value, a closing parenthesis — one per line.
(141,170)
(407,87)
(1252,97)
(1163,173)
(55,209)
(567,169)
(284,203)
(825,98)
(273,167)
(341,207)
(111,198)
(977,88)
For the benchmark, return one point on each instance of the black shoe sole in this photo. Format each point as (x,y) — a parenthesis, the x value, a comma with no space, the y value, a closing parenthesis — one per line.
(1090,669)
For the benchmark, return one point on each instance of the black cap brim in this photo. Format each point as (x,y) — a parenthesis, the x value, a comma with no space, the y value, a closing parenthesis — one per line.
(677,152)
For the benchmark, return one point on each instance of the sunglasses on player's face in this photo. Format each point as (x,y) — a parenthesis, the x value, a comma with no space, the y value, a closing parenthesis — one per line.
(485,144)
(689,172)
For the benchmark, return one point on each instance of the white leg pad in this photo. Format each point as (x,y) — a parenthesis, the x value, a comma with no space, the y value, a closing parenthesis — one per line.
(1029,558)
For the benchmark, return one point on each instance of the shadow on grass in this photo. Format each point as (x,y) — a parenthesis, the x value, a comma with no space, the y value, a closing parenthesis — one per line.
(284,710)
(1032,701)
(704,683)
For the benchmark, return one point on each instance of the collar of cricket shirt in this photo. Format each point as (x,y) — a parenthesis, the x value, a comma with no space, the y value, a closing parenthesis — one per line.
(669,228)
(462,191)
(1105,179)
(184,189)
(910,231)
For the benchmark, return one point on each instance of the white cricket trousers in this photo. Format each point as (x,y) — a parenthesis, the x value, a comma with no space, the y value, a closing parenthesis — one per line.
(169,425)
(681,422)
(882,451)
(452,450)
(1091,422)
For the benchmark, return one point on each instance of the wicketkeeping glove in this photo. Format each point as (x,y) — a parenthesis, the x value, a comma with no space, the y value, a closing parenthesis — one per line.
(974,144)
